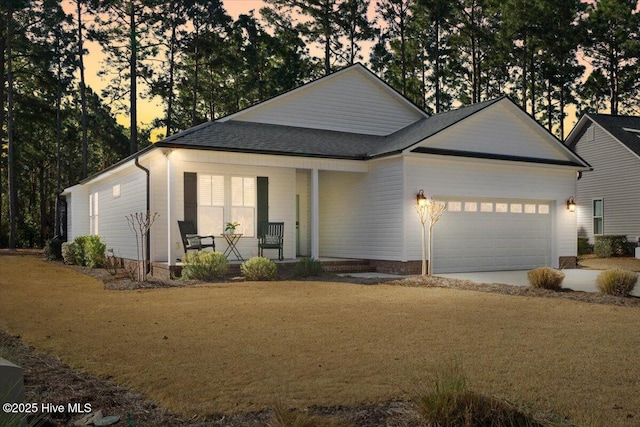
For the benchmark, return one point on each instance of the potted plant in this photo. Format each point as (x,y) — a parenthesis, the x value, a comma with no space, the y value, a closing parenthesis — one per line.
(231,227)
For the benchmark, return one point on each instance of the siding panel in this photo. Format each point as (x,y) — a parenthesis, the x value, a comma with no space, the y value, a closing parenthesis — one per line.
(113,227)
(361,214)
(499,129)
(350,102)
(615,178)
(460,179)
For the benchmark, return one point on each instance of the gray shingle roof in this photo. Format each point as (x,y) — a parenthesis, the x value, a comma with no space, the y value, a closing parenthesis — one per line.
(615,125)
(263,138)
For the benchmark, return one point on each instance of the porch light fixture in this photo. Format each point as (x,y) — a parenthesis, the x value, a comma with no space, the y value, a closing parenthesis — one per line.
(421,199)
(571,204)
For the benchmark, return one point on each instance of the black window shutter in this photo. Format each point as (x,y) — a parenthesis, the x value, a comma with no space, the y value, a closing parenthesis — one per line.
(263,202)
(191,197)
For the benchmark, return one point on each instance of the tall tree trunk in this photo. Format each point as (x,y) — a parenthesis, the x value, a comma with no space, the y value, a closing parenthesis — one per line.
(561,112)
(57,218)
(3,80)
(133,99)
(327,37)
(524,74)
(549,106)
(613,82)
(83,95)
(532,73)
(172,63)
(196,66)
(436,70)
(11,157)
(403,55)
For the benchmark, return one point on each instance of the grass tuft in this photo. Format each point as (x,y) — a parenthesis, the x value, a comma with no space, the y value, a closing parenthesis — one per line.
(283,417)
(449,402)
(546,278)
(617,281)
(308,267)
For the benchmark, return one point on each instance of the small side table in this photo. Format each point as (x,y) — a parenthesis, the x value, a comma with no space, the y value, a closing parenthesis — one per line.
(232,240)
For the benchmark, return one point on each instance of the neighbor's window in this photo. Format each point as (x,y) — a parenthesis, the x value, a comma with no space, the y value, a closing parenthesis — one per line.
(598,217)
(243,204)
(115,191)
(210,204)
(93,213)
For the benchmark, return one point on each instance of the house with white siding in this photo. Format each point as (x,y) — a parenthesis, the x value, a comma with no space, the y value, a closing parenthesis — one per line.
(340,161)
(608,198)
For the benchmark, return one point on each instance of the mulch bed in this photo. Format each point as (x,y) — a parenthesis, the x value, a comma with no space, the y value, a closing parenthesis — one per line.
(48,380)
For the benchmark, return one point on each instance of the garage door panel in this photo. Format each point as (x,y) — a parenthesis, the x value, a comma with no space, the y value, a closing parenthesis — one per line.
(478,240)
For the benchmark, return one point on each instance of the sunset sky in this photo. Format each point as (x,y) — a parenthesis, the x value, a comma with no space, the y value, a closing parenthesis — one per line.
(149,109)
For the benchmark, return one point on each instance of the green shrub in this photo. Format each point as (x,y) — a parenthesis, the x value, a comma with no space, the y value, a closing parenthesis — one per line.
(584,247)
(610,246)
(204,265)
(546,278)
(94,252)
(85,250)
(617,281)
(80,246)
(259,268)
(70,252)
(308,267)
(450,403)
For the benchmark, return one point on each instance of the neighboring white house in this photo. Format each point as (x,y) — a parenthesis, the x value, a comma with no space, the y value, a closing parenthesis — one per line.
(608,198)
(340,161)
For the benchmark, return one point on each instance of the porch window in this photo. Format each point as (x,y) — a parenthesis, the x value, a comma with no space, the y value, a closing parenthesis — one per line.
(223,199)
(243,204)
(93,213)
(598,217)
(211,197)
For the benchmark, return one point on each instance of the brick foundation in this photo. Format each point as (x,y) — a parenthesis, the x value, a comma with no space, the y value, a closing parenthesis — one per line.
(397,267)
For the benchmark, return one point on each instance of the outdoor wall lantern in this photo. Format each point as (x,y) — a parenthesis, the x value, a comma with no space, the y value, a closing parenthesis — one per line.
(421,199)
(571,204)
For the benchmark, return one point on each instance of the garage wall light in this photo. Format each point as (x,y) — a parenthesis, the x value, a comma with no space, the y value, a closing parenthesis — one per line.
(571,204)
(421,199)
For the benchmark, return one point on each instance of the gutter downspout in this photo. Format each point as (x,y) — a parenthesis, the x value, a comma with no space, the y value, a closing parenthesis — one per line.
(148,242)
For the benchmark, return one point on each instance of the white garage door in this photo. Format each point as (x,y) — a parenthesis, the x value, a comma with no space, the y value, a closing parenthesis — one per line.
(486,235)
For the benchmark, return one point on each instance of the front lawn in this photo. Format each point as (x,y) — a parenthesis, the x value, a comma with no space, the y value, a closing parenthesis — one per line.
(235,347)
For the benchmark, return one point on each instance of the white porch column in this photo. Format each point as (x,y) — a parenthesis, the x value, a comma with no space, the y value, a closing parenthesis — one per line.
(170,256)
(315,216)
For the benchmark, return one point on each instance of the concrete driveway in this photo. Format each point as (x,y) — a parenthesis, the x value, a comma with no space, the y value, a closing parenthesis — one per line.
(578,279)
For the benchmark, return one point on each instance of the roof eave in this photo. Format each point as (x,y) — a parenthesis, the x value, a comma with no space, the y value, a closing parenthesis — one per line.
(500,158)
(270,152)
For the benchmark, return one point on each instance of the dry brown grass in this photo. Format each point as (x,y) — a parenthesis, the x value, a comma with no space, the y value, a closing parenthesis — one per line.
(590,261)
(242,346)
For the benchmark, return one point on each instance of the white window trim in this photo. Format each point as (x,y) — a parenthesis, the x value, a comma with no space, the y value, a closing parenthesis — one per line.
(94,210)
(228,205)
(594,217)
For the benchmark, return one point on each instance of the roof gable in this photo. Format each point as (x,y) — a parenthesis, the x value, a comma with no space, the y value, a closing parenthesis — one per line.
(351,100)
(624,129)
(501,130)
